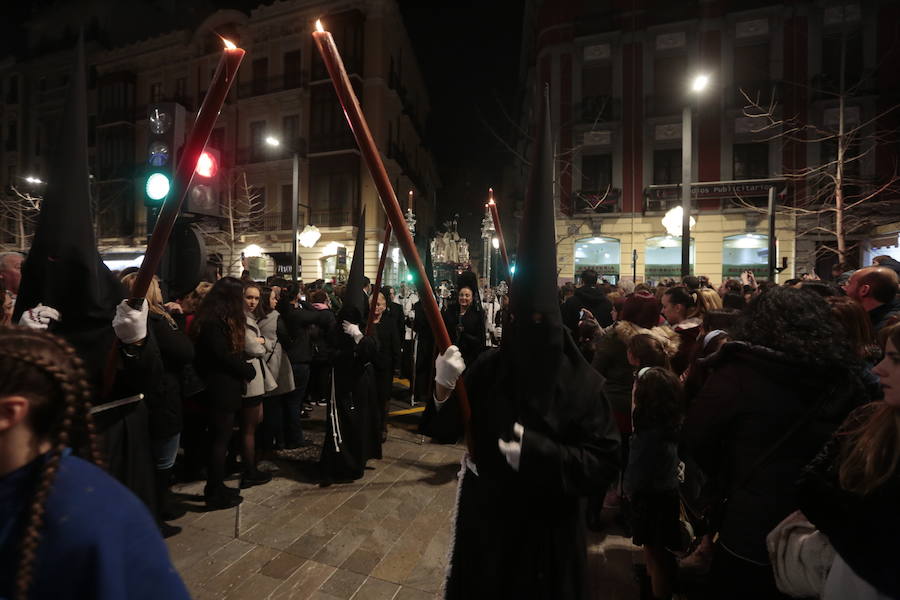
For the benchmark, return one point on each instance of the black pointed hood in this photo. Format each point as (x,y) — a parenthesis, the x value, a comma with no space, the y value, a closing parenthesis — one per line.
(534,287)
(63,268)
(543,368)
(354,307)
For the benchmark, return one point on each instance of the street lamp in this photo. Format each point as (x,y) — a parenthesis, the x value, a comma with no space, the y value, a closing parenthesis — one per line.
(34,180)
(310,234)
(698,85)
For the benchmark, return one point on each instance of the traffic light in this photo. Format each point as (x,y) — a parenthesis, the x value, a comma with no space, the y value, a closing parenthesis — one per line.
(203,197)
(164,139)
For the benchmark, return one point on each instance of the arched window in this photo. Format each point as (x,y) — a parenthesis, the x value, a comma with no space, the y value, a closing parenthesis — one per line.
(602,254)
(663,257)
(745,251)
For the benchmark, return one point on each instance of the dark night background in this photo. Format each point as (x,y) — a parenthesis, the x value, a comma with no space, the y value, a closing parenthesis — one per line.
(468,52)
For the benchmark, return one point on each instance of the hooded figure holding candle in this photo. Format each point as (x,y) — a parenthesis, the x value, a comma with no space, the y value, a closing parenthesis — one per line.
(542,432)
(352,426)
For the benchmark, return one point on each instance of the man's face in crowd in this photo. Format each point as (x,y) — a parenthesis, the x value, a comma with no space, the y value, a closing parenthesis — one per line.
(11,272)
(673,313)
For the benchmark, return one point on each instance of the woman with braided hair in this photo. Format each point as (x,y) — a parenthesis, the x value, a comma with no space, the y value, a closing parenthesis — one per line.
(67,529)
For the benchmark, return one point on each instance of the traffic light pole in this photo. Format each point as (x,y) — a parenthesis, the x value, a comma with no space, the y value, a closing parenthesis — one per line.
(295,219)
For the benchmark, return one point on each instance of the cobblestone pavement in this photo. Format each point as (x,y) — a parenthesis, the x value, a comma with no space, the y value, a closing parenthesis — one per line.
(384,536)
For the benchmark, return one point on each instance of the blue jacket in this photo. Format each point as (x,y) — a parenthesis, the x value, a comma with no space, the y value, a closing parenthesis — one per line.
(98,541)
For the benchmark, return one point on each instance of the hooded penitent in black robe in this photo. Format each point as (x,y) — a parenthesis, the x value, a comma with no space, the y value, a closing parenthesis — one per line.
(63,270)
(353,422)
(519,533)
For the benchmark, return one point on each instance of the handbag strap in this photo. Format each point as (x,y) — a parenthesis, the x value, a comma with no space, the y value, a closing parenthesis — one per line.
(764,458)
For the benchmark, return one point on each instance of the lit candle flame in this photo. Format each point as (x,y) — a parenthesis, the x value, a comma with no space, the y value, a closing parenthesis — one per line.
(490,195)
(229,45)
(319,26)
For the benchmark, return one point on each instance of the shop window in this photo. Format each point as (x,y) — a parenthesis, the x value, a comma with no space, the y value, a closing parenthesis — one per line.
(745,251)
(662,259)
(602,254)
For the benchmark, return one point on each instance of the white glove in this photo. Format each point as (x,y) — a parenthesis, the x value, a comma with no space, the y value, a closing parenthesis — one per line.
(39,317)
(130,324)
(513,450)
(448,367)
(352,330)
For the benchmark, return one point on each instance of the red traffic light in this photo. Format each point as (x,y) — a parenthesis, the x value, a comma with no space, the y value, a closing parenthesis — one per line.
(207,165)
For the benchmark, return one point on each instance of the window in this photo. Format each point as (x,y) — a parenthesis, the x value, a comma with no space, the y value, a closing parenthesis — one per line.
(662,258)
(257,140)
(745,251)
(217,139)
(751,161)
(181,89)
(92,130)
(831,60)
(669,83)
(287,201)
(290,129)
(12,90)
(751,71)
(334,190)
(156,92)
(260,75)
(596,172)
(293,69)
(666,167)
(596,88)
(12,135)
(602,254)
(328,127)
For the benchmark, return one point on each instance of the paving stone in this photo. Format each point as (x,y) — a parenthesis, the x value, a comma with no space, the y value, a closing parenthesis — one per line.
(343,584)
(282,566)
(242,569)
(376,589)
(407,593)
(304,582)
(255,587)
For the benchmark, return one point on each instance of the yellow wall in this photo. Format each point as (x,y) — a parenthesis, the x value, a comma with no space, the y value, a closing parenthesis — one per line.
(710,230)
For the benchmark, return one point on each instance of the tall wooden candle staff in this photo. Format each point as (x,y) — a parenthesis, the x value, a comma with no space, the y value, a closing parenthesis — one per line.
(496,217)
(359,126)
(225,74)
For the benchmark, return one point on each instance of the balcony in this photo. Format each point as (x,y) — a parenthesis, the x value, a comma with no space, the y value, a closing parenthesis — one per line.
(270,85)
(597,201)
(332,218)
(263,153)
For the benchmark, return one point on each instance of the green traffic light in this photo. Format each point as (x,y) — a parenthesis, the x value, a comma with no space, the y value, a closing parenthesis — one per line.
(158,186)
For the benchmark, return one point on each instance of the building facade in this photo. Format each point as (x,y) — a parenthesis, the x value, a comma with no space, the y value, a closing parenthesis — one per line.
(619,73)
(282,92)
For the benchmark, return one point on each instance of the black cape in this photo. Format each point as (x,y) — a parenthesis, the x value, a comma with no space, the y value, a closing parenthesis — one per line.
(521,534)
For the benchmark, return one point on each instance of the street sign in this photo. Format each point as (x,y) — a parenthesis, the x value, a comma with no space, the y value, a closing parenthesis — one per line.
(749,188)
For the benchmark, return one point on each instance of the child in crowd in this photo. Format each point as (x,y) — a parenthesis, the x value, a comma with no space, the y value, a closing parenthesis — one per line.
(651,477)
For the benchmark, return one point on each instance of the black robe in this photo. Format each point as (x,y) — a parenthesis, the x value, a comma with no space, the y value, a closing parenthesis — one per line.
(521,534)
(353,423)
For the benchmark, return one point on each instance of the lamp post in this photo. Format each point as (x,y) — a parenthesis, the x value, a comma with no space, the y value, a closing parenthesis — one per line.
(310,234)
(698,85)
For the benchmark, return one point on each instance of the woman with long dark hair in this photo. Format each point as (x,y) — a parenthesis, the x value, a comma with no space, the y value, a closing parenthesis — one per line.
(218,331)
(67,529)
(852,490)
(273,329)
(773,398)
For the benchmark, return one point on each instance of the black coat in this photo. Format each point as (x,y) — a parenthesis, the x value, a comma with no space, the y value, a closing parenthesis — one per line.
(387,358)
(164,397)
(753,396)
(591,298)
(863,529)
(303,324)
(521,534)
(467,333)
(224,371)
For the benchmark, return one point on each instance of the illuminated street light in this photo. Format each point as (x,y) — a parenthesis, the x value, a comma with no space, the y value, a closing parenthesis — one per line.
(700,82)
(273,141)
(34,180)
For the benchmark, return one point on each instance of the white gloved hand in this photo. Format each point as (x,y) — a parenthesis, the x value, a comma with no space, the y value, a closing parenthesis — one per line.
(448,367)
(130,324)
(352,330)
(39,317)
(512,450)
